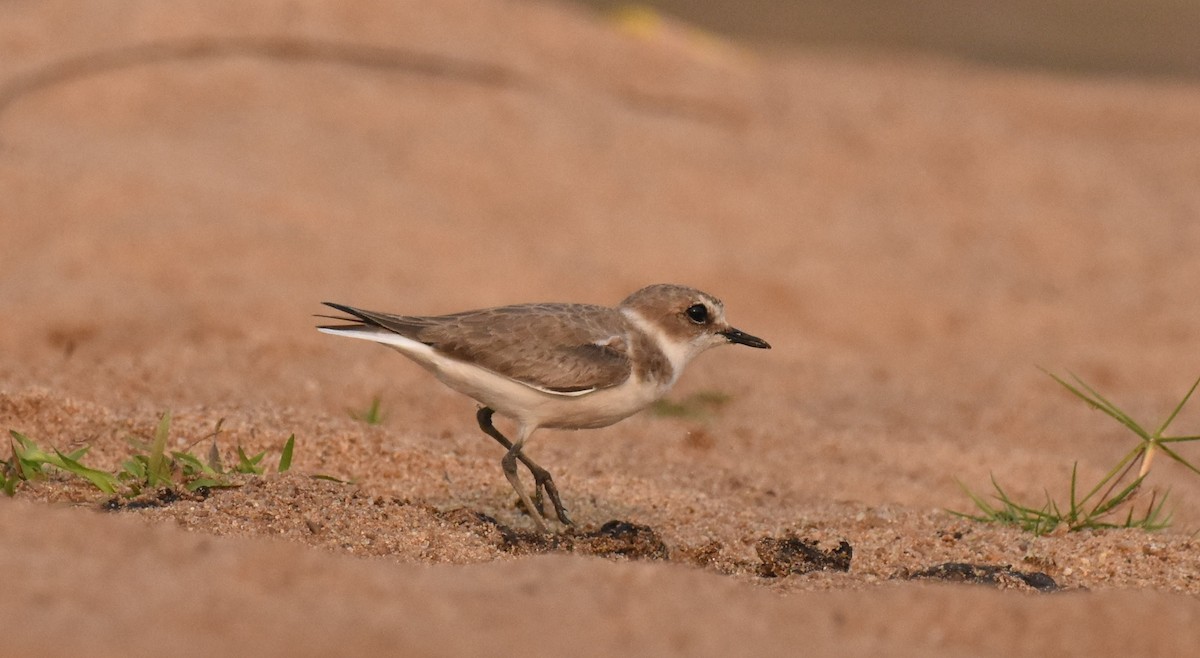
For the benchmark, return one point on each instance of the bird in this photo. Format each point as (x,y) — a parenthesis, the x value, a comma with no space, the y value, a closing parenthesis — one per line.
(555,365)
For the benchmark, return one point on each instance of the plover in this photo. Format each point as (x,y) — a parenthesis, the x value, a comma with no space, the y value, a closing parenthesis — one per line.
(566,366)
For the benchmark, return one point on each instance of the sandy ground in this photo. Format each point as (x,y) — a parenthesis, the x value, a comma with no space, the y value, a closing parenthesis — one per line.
(182,185)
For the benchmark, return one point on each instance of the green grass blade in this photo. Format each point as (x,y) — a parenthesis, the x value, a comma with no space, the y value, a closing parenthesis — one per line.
(18,437)
(979,502)
(1017,510)
(188,464)
(8,477)
(1178,439)
(101,480)
(28,455)
(1091,401)
(158,471)
(23,446)
(134,469)
(192,466)
(285,460)
(1154,513)
(1115,475)
(1108,504)
(1178,407)
(210,483)
(249,464)
(373,415)
(1175,456)
(1095,404)
(1115,411)
(78,453)
(1074,480)
(1100,402)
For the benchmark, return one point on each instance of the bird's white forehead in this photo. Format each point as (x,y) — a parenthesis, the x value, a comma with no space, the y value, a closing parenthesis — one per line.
(713,303)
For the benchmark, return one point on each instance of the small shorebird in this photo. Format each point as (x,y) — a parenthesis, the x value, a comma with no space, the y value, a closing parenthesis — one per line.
(567,366)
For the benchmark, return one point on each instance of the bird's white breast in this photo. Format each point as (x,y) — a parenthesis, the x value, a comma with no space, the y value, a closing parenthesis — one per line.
(526,404)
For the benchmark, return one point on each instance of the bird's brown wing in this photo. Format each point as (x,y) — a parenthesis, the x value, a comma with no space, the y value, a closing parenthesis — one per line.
(562,348)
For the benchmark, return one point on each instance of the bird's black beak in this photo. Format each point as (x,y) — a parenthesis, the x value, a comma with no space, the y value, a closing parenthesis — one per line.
(742,338)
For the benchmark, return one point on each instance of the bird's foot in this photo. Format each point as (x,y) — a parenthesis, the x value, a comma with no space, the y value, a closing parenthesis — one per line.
(543,482)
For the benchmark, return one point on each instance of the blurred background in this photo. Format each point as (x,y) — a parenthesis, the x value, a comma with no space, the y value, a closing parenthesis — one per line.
(1152,37)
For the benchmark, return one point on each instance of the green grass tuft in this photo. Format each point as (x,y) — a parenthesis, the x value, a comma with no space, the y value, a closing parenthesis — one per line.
(285,459)
(698,405)
(28,462)
(150,467)
(1099,507)
(372,415)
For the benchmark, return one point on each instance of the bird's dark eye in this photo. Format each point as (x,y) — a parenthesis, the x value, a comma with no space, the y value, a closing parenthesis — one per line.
(697,313)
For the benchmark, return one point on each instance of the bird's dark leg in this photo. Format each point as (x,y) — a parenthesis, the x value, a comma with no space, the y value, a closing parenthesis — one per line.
(541,477)
(509,464)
